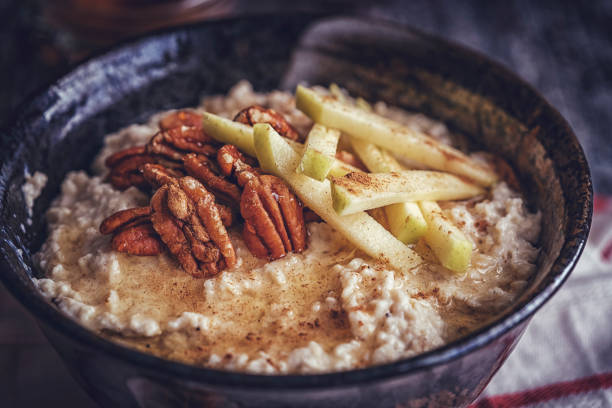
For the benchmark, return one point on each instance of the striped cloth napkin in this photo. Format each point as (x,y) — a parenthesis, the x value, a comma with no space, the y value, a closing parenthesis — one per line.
(565,356)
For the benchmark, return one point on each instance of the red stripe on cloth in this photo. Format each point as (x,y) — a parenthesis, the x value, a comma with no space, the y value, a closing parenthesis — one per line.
(606,254)
(600,202)
(546,393)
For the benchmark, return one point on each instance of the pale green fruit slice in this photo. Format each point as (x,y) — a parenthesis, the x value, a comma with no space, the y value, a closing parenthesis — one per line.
(319,151)
(340,169)
(450,245)
(329,111)
(277,157)
(240,135)
(404,219)
(377,160)
(362,191)
(227,131)
(406,222)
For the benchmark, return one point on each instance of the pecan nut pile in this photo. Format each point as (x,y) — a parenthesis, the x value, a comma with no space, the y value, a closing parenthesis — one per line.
(180,134)
(190,177)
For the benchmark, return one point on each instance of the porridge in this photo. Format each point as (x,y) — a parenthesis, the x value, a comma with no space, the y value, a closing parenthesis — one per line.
(325,307)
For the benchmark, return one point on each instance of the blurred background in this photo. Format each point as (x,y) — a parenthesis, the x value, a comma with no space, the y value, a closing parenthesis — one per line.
(563,48)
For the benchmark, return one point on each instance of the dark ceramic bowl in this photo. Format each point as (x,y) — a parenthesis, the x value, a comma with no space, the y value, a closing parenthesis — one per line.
(62,128)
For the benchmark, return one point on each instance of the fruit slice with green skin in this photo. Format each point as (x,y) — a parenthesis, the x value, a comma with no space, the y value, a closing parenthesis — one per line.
(404,219)
(361,103)
(363,191)
(230,132)
(319,150)
(329,111)
(377,160)
(340,169)
(240,135)
(406,222)
(278,158)
(450,245)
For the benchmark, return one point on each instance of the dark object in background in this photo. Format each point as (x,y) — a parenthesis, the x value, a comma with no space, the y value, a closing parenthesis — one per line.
(103,22)
(562,47)
(400,66)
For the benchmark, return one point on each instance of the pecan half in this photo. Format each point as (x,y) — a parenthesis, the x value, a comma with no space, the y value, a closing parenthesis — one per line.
(175,143)
(273,217)
(117,157)
(125,167)
(234,164)
(258,114)
(188,221)
(158,175)
(181,118)
(206,171)
(166,148)
(133,232)
(141,240)
(124,218)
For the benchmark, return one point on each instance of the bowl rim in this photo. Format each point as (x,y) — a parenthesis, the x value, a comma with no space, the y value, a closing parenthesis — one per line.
(48,315)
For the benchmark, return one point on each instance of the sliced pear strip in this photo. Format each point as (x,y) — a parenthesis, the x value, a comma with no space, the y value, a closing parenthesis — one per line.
(277,157)
(227,131)
(377,160)
(361,103)
(319,151)
(450,245)
(329,111)
(363,191)
(405,220)
(341,168)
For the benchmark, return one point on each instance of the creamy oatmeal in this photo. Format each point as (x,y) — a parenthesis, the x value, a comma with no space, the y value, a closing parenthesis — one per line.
(328,308)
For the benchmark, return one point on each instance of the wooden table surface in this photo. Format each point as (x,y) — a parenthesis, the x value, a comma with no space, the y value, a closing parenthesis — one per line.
(563,48)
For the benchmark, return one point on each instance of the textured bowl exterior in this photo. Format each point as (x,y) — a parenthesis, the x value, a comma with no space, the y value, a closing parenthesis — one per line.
(62,128)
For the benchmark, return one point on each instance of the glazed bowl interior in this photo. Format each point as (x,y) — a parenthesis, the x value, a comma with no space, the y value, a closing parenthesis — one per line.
(62,129)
